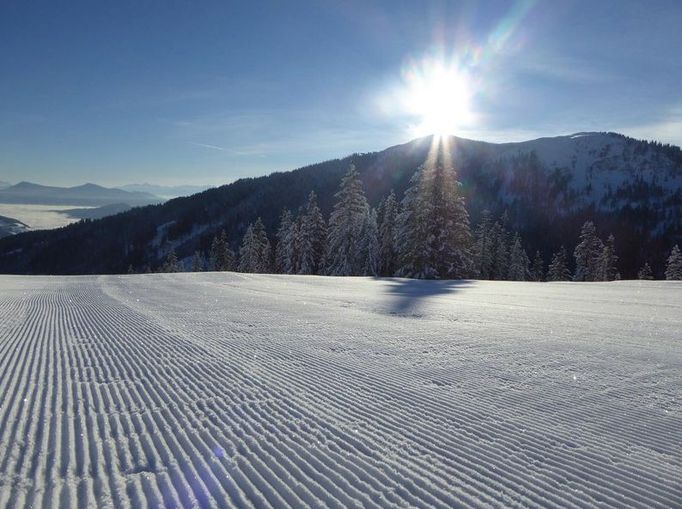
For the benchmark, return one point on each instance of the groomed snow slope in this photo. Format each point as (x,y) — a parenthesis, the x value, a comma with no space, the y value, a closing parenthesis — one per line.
(245,390)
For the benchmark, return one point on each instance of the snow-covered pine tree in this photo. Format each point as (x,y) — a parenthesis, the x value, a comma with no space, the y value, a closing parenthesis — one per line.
(518,261)
(221,257)
(673,268)
(499,242)
(254,253)
(645,272)
(286,259)
(369,244)
(171,264)
(312,237)
(607,270)
(484,247)
(588,254)
(434,234)
(265,263)
(197,262)
(414,250)
(450,226)
(537,271)
(226,256)
(558,269)
(388,232)
(213,254)
(248,252)
(346,222)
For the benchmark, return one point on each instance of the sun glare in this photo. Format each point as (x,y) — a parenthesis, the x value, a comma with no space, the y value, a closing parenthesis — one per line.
(437,96)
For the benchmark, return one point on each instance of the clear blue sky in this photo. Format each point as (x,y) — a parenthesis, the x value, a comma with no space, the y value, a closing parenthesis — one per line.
(184,91)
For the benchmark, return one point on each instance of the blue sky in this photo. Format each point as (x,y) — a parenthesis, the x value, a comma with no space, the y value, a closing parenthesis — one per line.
(205,92)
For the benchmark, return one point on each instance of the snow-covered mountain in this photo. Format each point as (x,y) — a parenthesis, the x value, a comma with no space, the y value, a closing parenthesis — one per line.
(547,187)
(604,170)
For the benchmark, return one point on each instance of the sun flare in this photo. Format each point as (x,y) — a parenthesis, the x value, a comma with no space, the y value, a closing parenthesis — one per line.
(438,96)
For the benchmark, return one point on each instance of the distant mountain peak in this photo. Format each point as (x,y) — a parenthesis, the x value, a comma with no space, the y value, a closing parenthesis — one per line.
(26,185)
(88,194)
(89,185)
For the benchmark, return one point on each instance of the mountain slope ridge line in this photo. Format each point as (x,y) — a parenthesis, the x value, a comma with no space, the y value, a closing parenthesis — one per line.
(548,186)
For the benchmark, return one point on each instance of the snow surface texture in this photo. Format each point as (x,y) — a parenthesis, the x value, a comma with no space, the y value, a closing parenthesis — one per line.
(250,390)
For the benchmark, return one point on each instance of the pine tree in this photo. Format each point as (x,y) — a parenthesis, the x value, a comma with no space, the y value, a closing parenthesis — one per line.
(227,257)
(558,269)
(451,232)
(388,232)
(213,254)
(248,252)
(131,270)
(286,252)
(673,269)
(369,244)
(412,238)
(484,252)
(221,257)
(537,271)
(645,272)
(499,242)
(255,252)
(607,270)
(588,254)
(197,262)
(518,261)
(434,235)
(346,223)
(171,264)
(312,238)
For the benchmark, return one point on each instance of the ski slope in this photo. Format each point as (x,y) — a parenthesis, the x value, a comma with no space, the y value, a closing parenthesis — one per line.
(218,390)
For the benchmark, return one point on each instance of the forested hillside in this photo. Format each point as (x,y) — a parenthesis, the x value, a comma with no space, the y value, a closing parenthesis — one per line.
(546,189)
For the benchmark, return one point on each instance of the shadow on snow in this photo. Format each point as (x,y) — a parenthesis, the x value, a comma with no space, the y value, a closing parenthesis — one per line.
(408,294)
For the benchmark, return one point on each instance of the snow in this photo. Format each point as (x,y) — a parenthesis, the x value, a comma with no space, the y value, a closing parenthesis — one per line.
(223,389)
(603,161)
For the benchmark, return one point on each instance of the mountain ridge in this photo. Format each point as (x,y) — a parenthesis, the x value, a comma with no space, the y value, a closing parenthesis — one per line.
(548,187)
(87,194)
(164,191)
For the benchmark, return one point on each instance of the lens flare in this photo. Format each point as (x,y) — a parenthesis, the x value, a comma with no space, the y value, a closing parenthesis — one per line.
(437,95)
(448,90)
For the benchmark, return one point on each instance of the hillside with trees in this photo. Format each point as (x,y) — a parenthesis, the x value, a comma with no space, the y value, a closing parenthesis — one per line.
(525,203)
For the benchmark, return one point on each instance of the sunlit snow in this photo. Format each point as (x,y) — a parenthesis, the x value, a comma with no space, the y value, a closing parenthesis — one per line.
(223,389)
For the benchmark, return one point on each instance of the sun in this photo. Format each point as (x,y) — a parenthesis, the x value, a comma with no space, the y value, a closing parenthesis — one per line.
(437,96)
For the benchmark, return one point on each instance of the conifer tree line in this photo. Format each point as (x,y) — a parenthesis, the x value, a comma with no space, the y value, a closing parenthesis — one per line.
(426,235)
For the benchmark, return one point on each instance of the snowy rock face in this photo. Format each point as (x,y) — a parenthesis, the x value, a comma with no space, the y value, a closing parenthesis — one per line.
(240,390)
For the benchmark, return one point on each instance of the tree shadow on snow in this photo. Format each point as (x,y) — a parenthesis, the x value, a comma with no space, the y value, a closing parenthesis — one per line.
(407,295)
